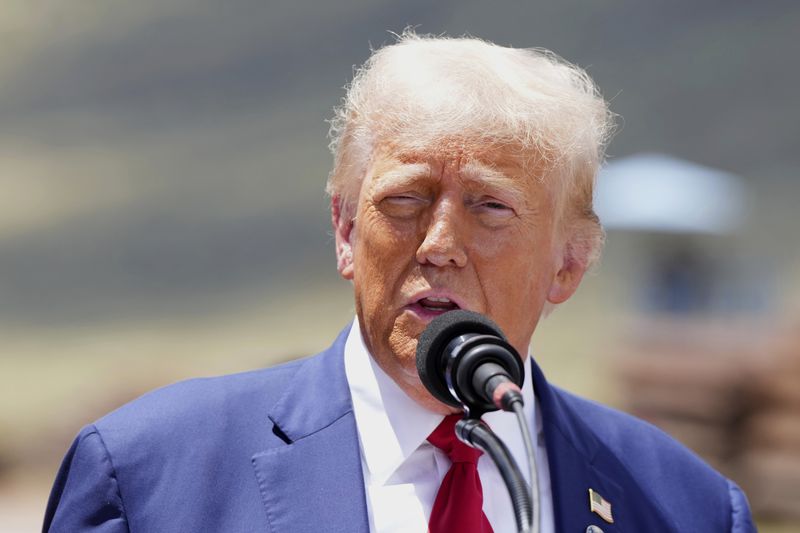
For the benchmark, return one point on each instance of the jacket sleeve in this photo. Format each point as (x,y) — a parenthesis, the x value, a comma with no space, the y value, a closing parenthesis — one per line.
(85,496)
(741,520)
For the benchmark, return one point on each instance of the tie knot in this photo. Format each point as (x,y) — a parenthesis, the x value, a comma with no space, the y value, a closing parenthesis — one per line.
(444,438)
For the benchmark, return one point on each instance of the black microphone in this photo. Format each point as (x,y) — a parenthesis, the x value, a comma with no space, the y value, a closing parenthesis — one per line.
(464,360)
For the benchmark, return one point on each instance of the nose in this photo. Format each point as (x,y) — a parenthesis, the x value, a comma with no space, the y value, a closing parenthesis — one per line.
(442,244)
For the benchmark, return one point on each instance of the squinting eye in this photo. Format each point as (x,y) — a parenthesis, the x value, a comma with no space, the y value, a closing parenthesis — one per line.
(401,199)
(402,206)
(496,207)
(494,213)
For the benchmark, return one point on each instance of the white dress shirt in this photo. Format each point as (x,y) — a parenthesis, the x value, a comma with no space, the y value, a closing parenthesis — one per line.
(403,471)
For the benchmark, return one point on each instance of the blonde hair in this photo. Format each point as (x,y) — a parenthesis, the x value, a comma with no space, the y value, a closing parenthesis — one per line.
(424,90)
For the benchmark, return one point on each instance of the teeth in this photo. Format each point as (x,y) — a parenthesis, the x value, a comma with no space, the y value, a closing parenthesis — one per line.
(434,303)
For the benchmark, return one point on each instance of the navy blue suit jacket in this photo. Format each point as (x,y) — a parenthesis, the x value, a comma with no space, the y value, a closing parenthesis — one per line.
(276,450)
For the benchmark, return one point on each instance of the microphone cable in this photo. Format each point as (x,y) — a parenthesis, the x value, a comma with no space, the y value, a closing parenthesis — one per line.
(529,451)
(474,432)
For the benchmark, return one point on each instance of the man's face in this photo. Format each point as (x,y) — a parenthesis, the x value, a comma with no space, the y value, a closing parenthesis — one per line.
(433,233)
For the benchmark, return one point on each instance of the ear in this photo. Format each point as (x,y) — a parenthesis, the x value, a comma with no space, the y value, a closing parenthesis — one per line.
(567,278)
(343,233)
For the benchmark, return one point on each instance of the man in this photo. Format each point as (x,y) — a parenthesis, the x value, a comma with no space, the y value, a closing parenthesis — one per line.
(462,179)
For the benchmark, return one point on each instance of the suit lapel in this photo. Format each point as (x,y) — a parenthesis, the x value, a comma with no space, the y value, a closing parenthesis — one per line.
(571,477)
(312,479)
(578,462)
(572,450)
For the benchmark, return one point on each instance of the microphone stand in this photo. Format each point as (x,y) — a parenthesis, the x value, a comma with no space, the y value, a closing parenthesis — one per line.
(475,433)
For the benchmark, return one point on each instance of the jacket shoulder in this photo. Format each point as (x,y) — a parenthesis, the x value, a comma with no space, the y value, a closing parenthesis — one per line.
(152,463)
(686,488)
(640,443)
(236,401)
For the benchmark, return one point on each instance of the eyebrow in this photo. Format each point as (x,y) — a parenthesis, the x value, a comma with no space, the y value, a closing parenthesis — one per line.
(404,174)
(486,176)
(474,172)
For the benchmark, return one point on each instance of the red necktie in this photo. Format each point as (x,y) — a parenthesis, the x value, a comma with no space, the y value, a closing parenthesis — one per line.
(459,502)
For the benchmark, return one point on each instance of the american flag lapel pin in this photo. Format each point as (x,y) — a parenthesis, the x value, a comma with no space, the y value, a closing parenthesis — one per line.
(600,506)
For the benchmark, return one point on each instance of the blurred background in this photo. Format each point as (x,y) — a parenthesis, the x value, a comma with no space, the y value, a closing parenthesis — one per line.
(162,213)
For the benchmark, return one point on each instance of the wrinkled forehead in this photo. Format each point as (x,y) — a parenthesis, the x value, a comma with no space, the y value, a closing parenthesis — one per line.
(490,164)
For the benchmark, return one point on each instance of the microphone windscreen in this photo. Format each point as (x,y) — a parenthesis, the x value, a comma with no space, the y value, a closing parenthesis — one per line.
(435,339)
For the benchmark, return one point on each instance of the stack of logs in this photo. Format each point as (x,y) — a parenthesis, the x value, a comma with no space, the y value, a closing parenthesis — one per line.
(731,396)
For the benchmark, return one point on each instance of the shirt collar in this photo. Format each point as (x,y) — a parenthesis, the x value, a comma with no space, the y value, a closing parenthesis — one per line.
(397,425)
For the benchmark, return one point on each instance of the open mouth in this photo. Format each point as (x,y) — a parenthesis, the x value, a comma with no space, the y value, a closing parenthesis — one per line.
(437,305)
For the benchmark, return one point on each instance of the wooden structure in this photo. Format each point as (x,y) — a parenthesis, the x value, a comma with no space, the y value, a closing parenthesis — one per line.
(728,394)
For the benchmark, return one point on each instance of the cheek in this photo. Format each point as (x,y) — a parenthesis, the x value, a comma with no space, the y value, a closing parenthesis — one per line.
(383,254)
(515,274)
(518,310)
(379,249)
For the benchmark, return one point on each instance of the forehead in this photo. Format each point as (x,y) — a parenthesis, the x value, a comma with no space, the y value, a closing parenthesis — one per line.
(487,165)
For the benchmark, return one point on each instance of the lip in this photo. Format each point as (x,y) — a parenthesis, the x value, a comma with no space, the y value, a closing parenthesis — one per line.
(426,314)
